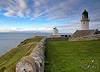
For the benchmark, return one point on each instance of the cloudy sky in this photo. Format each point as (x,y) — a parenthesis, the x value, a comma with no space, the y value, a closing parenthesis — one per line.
(43,15)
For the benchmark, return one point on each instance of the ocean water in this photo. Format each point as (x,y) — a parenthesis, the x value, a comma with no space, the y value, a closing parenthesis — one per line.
(12,40)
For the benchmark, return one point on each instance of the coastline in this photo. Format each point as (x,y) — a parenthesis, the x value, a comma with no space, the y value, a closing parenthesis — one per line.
(9,59)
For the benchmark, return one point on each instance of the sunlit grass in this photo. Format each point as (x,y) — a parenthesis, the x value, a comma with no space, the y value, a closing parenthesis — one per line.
(66,56)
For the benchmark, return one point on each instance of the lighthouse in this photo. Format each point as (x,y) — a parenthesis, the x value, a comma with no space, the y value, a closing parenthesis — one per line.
(79,35)
(55,31)
(85,21)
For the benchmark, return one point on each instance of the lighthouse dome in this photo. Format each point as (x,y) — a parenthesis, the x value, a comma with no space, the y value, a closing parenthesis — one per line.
(85,14)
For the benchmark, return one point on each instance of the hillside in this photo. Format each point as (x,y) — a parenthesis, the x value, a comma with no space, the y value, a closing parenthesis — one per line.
(8,61)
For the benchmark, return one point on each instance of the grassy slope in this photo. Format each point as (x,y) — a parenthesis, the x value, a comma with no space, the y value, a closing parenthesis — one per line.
(65,56)
(8,61)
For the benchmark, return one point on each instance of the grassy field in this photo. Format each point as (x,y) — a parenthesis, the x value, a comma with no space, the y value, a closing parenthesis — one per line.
(67,56)
(8,61)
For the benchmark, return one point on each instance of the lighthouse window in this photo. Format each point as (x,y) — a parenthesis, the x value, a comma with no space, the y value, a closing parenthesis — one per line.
(83,22)
(82,16)
(85,16)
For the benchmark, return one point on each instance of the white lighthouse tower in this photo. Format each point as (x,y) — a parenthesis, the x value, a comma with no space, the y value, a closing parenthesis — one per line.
(55,31)
(85,21)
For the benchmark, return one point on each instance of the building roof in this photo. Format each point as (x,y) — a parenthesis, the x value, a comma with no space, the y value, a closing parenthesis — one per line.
(54,28)
(85,12)
(81,33)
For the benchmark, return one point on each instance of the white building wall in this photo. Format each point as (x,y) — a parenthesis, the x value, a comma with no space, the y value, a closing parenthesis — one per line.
(55,31)
(85,25)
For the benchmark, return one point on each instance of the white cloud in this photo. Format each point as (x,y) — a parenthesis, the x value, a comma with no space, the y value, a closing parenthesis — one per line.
(95,23)
(37,3)
(32,18)
(5,25)
(14,7)
(37,15)
(7,29)
(18,23)
(11,13)
(22,4)
(53,18)
(26,29)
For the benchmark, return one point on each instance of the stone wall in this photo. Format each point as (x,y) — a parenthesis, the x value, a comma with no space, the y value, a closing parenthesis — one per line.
(57,38)
(86,38)
(35,61)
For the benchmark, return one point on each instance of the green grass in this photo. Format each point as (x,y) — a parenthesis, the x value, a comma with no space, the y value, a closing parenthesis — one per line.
(8,61)
(67,56)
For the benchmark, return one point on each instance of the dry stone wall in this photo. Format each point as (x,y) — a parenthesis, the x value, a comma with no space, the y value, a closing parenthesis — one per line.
(35,61)
(57,38)
(86,38)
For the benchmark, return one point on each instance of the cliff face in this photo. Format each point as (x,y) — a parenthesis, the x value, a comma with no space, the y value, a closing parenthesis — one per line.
(8,61)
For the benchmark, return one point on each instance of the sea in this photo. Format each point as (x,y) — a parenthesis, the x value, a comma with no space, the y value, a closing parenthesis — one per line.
(12,40)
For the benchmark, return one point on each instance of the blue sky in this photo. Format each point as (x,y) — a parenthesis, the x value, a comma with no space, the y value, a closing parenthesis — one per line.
(43,15)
